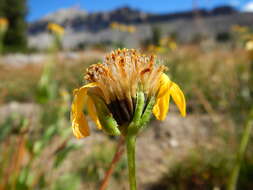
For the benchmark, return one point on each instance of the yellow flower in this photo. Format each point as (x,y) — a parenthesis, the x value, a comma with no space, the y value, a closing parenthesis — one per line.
(240,29)
(249,48)
(3,24)
(56,29)
(167,89)
(131,29)
(168,42)
(114,25)
(249,45)
(122,27)
(116,83)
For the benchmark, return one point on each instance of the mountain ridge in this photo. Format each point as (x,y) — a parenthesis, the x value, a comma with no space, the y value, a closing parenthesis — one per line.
(73,18)
(82,28)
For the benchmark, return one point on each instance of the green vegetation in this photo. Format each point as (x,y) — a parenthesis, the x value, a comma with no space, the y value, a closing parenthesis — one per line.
(204,169)
(38,150)
(15,11)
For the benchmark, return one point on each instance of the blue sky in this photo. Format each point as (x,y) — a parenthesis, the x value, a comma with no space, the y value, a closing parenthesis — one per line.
(39,8)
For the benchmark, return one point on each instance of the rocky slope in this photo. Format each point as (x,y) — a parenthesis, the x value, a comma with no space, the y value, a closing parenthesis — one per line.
(83,28)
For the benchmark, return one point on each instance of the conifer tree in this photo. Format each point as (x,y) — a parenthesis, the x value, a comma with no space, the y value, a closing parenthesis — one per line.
(15,11)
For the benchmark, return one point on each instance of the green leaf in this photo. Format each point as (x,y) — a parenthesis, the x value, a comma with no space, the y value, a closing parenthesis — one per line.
(60,157)
(67,182)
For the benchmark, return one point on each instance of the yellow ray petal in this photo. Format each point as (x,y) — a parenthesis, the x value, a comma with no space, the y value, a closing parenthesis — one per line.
(178,97)
(80,127)
(165,84)
(92,112)
(161,106)
(79,123)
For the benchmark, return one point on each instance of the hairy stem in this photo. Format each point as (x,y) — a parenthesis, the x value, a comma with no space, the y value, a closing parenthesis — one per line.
(131,139)
(1,42)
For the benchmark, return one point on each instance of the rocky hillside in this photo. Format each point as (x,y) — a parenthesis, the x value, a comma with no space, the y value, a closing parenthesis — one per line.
(84,28)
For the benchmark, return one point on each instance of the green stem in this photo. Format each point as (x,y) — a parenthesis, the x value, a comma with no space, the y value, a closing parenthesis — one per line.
(1,43)
(131,139)
(243,145)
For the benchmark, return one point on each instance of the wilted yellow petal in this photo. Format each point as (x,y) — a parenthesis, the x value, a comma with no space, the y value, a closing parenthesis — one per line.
(167,89)
(165,84)
(161,106)
(178,97)
(80,126)
(92,112)
(79,123)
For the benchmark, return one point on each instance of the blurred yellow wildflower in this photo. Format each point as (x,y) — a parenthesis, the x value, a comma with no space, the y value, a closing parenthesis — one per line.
(114,25)
(3,24)
(168,42)
(249,45)
(56,29)
(116,89)
(240,29)
(249,48)
(155,49)
(131,29)
(122,27)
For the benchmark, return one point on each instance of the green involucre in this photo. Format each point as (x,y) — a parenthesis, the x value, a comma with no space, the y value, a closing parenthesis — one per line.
(107,121)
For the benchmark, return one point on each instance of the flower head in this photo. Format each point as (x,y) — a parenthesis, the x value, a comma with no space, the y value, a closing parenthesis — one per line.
(125,88)
(3,24)
(55,29)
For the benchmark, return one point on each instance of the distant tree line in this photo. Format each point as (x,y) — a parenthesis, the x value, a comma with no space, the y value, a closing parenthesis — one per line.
(15,11)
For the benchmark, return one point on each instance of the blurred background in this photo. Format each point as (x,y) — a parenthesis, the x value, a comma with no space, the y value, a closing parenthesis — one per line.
(45,47)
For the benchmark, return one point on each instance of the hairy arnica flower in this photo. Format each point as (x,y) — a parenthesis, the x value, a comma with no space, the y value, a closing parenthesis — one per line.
(120,97)
(123,90)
